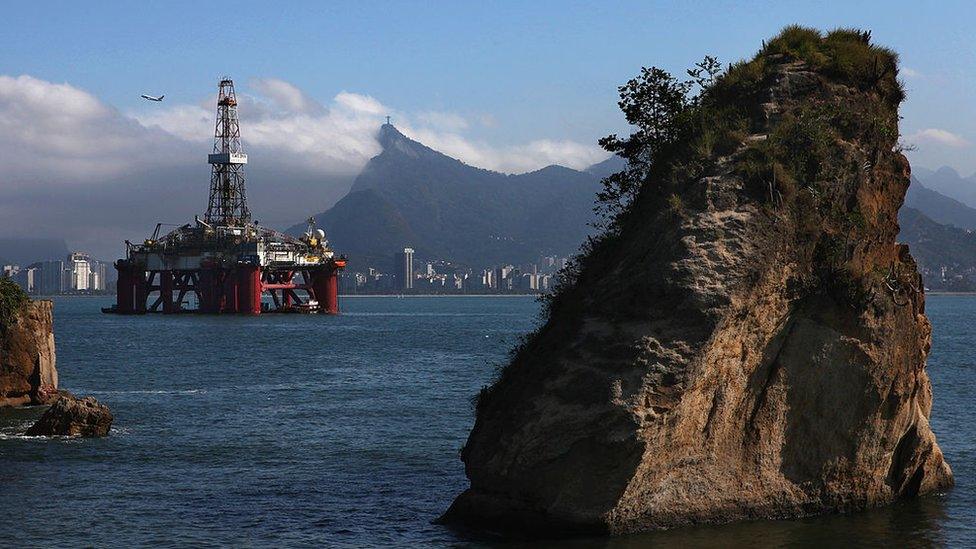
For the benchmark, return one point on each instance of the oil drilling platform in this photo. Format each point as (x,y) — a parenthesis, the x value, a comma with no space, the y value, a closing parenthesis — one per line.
(225,261)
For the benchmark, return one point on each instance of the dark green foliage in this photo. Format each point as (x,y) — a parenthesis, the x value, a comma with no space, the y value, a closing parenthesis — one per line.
(803,141)
(705,71)
(846,54)
(12,299)
(653,103)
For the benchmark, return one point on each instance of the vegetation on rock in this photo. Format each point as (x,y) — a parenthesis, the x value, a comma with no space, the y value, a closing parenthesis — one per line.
(12,300)
(681,136)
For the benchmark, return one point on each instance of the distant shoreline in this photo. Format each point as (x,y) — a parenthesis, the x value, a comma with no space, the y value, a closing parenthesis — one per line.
(928,292)
(439,295)
(340,295)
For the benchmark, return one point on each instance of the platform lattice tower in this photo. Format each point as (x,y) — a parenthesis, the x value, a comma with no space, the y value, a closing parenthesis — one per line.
(228,201)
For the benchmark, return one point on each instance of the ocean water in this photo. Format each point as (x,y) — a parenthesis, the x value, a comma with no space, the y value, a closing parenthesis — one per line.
(294,430)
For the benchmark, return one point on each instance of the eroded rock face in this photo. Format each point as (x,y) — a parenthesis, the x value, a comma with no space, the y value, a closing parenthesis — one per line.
(73,416)
(750,355)
(27,358)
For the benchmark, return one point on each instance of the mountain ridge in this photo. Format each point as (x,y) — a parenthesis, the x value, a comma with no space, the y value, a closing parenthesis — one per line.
(939,207)
(412,195)
(947,181)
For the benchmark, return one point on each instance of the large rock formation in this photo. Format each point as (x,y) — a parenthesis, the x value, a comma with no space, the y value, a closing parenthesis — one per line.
(27,358)
(73,416)
(750,344)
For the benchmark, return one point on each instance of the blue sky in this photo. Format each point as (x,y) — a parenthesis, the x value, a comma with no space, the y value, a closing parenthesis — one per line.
(533,69)
(510,86)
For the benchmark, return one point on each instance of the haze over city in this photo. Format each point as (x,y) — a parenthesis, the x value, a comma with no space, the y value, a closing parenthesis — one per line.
(507,87)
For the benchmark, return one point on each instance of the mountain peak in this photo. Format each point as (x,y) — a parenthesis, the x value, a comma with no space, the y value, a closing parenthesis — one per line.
(947,171)
(389,132)
(392,140)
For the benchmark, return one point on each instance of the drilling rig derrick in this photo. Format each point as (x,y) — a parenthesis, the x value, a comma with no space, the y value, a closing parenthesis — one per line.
(226,263)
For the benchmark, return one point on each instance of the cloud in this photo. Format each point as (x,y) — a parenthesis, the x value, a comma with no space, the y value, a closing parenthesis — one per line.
(71,165)
(359,103)
(940,137)
(56,132)
(909,72)
(286,96)
(509,159)
(339,137)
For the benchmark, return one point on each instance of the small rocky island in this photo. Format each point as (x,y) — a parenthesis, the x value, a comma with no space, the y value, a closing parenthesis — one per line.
(28,373)
(746,339)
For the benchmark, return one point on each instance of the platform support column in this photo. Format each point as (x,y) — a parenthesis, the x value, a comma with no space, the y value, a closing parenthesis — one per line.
(141,289)
(326,288)
(123,291)
(332,292)
(207,291)
(249,289)
(286,302)
(166,291)
(229,296)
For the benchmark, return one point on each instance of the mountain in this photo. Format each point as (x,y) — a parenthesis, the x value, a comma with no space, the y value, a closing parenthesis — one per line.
(935,246)
(608,167)
(939,207)
(938,230)
(24,251)
(947,181)
(411,195)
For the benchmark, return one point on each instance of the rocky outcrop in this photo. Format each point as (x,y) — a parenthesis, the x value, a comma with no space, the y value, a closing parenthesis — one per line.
(27,358)
(73,416)
(750,344)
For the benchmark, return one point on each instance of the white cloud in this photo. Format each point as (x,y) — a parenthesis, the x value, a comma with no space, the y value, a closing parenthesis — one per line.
(340,137)
(286,96)
(187,122)
(59,132)
(909,72)
(359,103)
(940,137)
(509,159)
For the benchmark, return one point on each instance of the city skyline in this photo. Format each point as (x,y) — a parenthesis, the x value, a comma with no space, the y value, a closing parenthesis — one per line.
(78,273)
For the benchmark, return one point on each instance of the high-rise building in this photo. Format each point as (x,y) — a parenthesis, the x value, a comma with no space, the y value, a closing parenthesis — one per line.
(102,276)
(488,278)
(97,277)
(403,263)
(79,269)
(52,277)
(94,280)
(26,278)
(10,271)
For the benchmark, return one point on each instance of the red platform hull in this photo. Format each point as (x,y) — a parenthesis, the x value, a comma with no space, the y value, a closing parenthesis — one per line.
(238,289)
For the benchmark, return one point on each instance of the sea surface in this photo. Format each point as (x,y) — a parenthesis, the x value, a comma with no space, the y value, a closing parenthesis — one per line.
(291,430)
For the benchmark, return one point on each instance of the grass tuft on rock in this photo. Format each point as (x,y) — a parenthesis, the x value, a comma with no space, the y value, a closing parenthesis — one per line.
(12,300)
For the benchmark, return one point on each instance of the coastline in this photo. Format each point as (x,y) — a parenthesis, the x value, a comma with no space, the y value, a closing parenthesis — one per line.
(340,295)
(440,295)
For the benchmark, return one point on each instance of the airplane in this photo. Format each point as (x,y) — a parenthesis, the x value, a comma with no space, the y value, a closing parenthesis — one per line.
(151,98)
